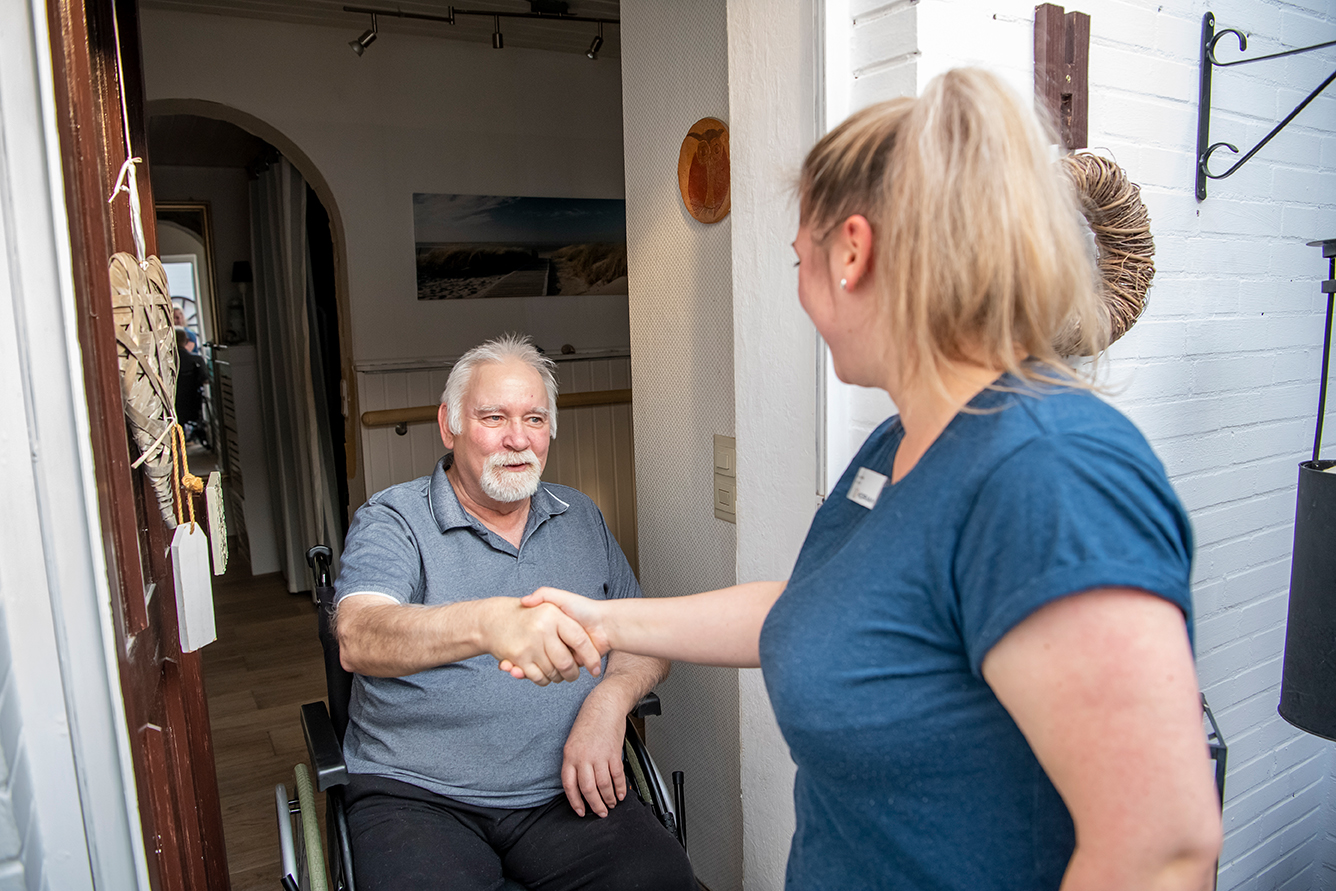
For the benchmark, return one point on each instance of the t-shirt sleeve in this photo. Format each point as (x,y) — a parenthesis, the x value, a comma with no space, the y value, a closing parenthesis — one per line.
(380,556)
(1065,514)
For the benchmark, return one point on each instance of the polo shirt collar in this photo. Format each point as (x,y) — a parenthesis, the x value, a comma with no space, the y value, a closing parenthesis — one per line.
(450,514)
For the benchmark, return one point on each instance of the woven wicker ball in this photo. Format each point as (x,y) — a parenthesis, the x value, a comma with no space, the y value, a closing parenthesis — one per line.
(1112,207)
(146,346)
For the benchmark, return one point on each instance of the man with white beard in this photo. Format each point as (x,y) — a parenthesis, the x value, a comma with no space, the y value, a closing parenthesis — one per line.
(458,770)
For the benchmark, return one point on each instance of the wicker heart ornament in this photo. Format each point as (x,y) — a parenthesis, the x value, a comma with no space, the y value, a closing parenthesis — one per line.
(146,347)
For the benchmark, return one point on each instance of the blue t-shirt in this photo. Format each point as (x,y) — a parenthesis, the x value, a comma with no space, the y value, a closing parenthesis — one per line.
(911,774)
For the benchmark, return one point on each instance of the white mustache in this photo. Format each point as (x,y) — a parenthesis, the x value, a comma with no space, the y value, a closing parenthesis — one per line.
(501,459)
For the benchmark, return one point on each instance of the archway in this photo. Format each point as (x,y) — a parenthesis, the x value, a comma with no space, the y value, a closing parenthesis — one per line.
(320,186)
(266,661)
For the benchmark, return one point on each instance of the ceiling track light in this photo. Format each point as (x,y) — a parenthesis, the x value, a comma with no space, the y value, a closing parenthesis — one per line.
(597,43)
(547,10)
(360,44)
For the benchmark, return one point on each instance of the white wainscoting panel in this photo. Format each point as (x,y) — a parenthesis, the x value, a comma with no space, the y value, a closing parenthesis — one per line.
(593,451)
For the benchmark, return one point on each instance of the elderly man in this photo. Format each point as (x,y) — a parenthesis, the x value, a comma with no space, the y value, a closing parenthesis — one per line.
(459,770)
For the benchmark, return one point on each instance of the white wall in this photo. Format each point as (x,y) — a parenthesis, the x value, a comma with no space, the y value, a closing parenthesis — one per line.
(674,72)
(414,114)
(1221,372)
(773,58)
(721,345)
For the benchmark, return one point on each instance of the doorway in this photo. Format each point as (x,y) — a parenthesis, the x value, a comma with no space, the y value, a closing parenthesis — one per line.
(266,661)
(418,113)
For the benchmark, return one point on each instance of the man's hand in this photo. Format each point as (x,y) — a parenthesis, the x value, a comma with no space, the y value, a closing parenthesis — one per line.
(584,612)
(589,613)
(591,765)
(542,644)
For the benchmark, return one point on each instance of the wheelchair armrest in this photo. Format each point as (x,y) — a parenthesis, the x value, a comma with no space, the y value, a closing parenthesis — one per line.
(323,747)
(648,705)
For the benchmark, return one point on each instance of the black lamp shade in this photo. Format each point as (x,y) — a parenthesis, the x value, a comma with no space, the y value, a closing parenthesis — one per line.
(1308,678)
(241,272)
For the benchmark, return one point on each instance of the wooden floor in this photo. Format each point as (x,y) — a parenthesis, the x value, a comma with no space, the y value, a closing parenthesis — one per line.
(265,663)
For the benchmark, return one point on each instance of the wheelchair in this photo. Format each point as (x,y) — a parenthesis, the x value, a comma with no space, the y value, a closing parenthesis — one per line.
(300,846)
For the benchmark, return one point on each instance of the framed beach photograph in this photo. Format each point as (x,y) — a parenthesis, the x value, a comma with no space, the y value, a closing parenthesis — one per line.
(472,246)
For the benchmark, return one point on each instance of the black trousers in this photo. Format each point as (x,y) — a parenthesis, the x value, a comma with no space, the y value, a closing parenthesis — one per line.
(404,837)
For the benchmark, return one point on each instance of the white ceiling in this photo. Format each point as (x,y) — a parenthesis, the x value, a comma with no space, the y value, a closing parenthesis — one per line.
(558,36)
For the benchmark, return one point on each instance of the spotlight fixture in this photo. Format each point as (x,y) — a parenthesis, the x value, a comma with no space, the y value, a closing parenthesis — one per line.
(597,43)
(547,10)
(360,44)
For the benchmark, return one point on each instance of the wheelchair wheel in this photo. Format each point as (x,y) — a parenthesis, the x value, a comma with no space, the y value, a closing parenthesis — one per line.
(311,859)
(639,782)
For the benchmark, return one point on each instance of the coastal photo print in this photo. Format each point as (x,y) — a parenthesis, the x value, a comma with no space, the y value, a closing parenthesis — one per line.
(494,246)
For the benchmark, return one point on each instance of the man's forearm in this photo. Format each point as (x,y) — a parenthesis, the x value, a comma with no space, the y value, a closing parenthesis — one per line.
(382,639)
(392,639)
(629,677)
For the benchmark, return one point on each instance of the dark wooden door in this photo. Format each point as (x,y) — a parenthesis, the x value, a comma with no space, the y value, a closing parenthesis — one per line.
(95,49)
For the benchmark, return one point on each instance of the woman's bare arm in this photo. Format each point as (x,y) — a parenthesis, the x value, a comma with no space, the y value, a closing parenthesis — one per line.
(1104,688)
(714,628)
(381,638)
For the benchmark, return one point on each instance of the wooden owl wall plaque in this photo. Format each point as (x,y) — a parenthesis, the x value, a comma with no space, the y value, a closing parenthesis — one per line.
(702,170)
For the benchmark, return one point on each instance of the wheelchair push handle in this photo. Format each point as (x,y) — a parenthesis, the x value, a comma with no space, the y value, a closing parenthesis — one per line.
(319,558)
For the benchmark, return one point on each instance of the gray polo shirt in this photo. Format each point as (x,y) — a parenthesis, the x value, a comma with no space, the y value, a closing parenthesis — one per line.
(467,730)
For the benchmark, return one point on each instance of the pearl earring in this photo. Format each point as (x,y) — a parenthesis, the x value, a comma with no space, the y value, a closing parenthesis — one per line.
(844,284)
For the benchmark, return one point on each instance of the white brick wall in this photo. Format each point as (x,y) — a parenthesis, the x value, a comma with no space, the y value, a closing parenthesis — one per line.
(11,774)
(1221,373)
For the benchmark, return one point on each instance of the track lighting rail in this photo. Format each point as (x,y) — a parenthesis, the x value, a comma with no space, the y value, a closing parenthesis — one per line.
(449,18)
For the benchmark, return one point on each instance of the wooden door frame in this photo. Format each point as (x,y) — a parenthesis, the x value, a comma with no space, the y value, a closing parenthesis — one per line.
(71,782)
(169,740)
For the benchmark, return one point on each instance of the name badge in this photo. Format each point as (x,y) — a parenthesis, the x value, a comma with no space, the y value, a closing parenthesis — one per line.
(867,488)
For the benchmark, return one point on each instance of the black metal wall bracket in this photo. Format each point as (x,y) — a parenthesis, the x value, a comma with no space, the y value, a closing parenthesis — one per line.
(1209,38)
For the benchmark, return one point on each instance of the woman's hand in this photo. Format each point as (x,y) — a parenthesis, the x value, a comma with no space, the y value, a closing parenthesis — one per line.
(542,644)
(582,610)
(589,613)
(712,628)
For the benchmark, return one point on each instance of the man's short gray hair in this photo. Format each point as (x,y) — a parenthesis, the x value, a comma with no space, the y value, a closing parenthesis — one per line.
(505,348)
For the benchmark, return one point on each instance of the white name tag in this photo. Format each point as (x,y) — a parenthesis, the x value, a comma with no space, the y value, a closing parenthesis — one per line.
(867,488)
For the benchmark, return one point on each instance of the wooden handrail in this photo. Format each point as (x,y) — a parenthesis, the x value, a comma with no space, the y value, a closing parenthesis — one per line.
(426,414)
(391,417)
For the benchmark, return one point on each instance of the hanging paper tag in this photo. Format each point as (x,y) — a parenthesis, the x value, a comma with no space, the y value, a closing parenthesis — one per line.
(194,587)
(213,498)
(866,488)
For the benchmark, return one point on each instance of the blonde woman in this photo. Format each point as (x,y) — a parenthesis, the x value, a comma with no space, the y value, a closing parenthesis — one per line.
(982,661)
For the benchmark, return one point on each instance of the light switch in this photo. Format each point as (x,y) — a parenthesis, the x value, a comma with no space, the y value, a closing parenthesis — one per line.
(725,478)
(725,455)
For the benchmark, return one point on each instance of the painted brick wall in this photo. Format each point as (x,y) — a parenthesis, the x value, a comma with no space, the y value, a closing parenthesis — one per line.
(1222,371)
(14,787)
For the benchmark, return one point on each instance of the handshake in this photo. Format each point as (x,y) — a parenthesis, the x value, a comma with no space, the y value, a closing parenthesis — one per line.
(550,634)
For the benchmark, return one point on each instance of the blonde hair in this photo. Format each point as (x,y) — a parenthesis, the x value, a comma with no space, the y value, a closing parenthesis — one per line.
(978,253)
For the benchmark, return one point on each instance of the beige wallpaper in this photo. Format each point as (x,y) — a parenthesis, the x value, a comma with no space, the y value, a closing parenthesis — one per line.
(674,72)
